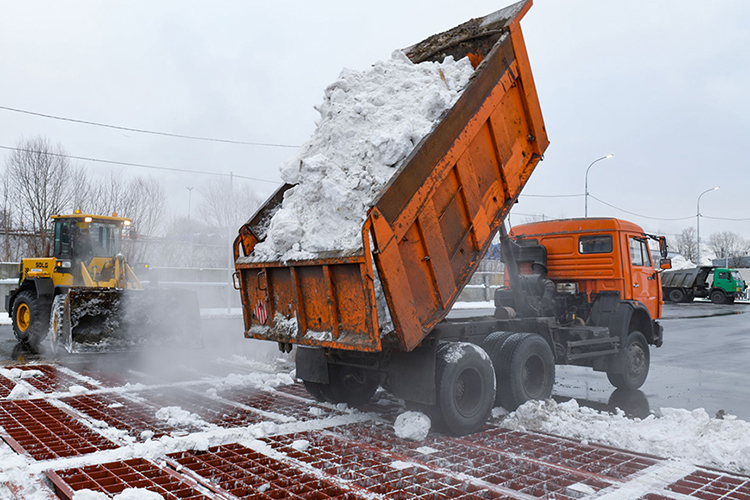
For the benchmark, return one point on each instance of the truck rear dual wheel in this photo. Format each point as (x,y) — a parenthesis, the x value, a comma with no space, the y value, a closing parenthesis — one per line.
(524,367)
(30,318)
(465,383)
(636,361)
(676,295)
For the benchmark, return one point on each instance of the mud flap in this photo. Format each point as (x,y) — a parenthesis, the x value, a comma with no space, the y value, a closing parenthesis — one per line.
(105,319)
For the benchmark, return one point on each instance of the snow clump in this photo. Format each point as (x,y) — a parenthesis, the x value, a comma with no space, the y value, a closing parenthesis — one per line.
(412,425)
(369,123)
(680,434)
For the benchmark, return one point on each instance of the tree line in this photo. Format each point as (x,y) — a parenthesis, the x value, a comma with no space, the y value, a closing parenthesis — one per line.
(725,245)
(40,181)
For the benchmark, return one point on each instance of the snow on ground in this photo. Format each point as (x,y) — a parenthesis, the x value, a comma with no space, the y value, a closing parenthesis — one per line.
(679,434)
(369,123)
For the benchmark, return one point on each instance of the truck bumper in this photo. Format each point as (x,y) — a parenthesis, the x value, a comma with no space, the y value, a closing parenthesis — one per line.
(658,334)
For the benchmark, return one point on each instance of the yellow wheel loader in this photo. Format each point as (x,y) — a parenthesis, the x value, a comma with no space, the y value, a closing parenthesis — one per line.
(85,297)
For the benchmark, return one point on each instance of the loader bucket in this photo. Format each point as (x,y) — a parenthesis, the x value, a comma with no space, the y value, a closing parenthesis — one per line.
(108,319)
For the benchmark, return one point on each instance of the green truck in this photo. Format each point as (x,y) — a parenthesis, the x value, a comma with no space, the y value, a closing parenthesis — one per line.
(683,285)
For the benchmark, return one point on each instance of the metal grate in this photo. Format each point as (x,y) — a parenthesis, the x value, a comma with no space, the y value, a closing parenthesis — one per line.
(112,478)
(278,403)
(710,486)
(6,386)
(207,408)
(245,473)
(616,464)
(44,431)
(122,413)
(379,472)
(53,379)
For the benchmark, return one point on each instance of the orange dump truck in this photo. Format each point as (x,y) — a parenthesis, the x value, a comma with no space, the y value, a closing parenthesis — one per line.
(423,238)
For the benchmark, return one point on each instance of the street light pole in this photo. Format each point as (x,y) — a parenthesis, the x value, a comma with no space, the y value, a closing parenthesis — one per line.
(586,184)
(698,221)
(190,199)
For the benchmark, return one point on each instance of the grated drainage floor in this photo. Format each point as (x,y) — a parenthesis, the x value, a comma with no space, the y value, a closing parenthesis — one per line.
(280,443)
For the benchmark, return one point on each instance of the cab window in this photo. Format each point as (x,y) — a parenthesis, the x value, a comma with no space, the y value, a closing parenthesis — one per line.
(639,253)
(600,243)
(723,275)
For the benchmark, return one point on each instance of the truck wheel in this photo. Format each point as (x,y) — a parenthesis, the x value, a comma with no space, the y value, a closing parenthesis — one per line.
(465,383)
(636,363)
(718,297)
(525,370)
(493,344)
(350,385)
(315,390)
(30,320)
(676,295)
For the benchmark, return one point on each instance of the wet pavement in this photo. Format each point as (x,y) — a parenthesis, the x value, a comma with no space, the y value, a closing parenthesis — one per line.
(91,421)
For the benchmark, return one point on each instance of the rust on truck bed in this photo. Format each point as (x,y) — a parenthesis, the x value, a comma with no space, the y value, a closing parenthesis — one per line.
(433,221)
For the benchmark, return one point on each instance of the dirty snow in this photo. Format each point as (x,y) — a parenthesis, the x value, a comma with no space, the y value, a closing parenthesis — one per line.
(692,436)
(126,494)
(412,425)
(369,123)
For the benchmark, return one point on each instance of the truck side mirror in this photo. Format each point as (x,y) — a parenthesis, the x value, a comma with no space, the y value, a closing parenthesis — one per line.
(665,264)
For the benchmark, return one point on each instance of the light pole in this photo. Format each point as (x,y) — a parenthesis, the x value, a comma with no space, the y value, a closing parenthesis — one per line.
(586,184)
(190,199)
(698,221)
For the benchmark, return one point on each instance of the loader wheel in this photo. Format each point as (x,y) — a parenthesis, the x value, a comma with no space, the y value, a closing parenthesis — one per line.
(350,385)
(525,370)
(676,295)
(718,297)
(30,320)
(465,383)
(636,363)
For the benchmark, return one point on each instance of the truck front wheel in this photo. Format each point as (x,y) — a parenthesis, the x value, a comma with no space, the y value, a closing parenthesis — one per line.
(465,383)
(635,363)
(718,297)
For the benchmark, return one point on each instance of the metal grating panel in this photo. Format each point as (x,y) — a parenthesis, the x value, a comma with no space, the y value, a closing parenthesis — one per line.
(710,486)
(277,403)
(122,413)
(245,473)
(378,472)
(612,463)
(114,477)
(6,386)
(53,379)
(44,431)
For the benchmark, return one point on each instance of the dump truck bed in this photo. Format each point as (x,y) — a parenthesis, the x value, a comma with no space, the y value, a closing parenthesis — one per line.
(431,224)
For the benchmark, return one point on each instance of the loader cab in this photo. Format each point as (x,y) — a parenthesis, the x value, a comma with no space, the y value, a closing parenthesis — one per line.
(82,238)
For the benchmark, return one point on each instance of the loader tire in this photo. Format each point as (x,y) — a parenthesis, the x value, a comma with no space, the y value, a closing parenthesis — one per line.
(525,370)
(30,319)
(636,363)
(350,385)
(465,384)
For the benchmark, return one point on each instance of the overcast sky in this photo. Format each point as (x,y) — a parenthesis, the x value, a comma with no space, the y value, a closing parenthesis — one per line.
(661,84)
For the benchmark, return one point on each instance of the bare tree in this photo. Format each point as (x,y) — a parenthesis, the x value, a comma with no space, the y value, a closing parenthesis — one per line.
(730,246)
(686,244)
(227,203)
(41,182)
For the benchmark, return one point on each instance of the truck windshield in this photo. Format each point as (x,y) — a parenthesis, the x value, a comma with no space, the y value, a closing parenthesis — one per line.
(736,276)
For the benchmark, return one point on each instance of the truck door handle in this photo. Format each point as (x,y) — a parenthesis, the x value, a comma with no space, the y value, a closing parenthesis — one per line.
(636,285)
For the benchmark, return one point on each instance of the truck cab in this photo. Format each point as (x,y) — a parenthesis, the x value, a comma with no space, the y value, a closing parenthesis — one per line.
(591,256)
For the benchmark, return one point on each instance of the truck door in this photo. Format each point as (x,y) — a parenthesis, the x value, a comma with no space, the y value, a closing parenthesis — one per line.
(643,278)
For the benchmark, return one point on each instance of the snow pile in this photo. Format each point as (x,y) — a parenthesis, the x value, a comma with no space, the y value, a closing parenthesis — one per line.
(680,434)
(412,425)
(369,123)
(126,494)
(680,262)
